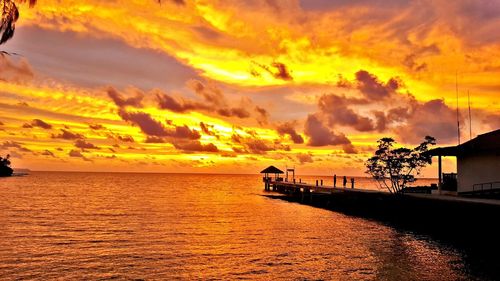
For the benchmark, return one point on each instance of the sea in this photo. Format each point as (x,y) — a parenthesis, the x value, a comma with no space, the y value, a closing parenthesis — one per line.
(132,226)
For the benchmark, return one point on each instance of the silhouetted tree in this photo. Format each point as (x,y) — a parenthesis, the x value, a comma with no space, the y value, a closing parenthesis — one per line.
(5,161)
(10,14)
(393,168)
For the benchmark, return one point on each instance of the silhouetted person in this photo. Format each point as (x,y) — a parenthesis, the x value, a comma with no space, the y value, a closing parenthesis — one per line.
(334,180)
(352,182)
(345,181)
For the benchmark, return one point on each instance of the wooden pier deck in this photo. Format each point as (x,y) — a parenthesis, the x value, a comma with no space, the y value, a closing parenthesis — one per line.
(285,187)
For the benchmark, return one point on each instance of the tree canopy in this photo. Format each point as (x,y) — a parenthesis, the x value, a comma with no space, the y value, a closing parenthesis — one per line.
(10,15)
(394,168)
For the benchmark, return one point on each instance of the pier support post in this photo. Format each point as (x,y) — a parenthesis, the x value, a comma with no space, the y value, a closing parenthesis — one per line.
(440,171)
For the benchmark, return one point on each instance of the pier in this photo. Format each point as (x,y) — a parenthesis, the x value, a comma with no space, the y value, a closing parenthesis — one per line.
(455,218)
(308,191)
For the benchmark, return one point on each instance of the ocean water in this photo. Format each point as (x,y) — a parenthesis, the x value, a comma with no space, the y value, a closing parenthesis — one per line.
(103,226)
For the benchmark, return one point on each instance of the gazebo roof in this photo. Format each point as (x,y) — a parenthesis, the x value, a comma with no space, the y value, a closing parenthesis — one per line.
(271,170)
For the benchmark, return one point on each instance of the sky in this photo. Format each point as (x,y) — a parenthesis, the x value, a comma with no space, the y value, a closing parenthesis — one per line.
(233,86)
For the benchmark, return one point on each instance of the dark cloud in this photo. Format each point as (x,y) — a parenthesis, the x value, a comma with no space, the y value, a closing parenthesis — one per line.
(208,129)
(118,137)
(1,123)
(396,115)
(210,94)
(121,101)
(178,2)
(14,71)
(338,112)
(349,148)
(47,153)
(277,69)
(288,128)
(207,32)
(258,146)
(82,144)
(413,60)
(304,158)
(96,127)
(380,120)
(432,118)
(253,144)
(153,139)
(38,123)
(12,144)
(145,122)
(168,102)
(152,127)
(67,135)
(403,114)
(321,135)
(374,89)
(184,132)
(77,154)
(262,115)
(195,146)
(239,112)
(213,101)
(282,71)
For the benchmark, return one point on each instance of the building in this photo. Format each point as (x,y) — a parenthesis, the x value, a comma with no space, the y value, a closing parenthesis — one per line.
(478,166)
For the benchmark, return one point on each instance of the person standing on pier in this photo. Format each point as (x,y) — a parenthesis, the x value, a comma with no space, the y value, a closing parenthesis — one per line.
(345,181)
(352,182)
(334,180)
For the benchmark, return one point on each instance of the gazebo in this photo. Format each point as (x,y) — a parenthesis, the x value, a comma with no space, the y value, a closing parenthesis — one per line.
(269,171)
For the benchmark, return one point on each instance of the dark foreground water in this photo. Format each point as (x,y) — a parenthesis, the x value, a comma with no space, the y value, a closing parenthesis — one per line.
(95,226)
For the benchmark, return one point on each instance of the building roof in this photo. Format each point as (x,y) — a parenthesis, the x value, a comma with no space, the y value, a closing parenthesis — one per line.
(489,142)
(271,170)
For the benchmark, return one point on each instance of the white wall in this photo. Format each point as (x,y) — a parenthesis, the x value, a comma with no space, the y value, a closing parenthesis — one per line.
(477,169)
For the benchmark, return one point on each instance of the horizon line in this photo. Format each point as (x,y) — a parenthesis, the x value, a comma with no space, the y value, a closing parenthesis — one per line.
(187,173)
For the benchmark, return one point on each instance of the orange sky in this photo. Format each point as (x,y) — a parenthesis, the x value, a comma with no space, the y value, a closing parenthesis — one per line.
(232,86)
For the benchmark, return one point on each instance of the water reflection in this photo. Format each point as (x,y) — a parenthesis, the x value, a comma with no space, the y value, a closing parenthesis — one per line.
(163,226)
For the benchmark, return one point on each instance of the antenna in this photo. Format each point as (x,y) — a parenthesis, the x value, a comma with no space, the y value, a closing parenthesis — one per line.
(458,120)
(470,116)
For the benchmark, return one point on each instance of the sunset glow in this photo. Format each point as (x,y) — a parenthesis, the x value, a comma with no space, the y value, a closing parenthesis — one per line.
(228,86)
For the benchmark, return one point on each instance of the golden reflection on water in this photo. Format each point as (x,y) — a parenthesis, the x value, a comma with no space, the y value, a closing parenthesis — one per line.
(167,226)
